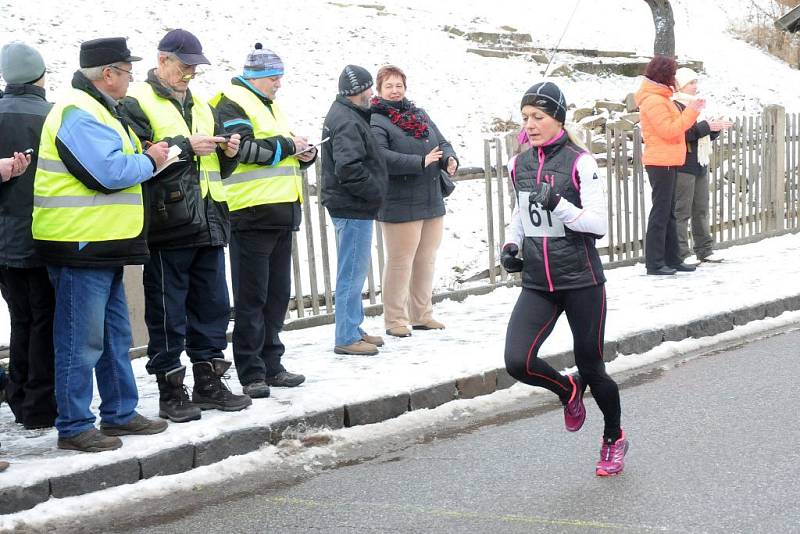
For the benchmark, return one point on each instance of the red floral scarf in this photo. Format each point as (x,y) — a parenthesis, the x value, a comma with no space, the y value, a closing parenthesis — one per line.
(403,114)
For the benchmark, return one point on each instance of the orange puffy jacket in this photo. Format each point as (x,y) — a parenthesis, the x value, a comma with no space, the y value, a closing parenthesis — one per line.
(663,125)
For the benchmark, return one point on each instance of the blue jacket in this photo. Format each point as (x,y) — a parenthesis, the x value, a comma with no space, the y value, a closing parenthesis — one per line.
(92,153)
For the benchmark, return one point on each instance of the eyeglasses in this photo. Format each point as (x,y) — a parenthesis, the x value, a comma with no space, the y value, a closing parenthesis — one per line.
(187,76)
(128,72)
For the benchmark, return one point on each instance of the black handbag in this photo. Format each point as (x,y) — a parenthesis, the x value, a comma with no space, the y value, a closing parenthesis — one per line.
(446,183)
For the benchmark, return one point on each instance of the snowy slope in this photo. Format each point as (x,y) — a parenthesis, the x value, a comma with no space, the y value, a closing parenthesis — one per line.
(463,92)
(473,343)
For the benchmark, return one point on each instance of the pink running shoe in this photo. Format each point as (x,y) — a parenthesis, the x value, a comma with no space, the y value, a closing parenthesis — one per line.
(574,410)
(612,457)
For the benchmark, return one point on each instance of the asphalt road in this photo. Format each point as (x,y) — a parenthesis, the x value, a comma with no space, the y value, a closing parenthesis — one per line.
(715,447)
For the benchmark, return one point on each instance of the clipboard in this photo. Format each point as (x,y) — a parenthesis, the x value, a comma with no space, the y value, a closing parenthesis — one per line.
(172,156)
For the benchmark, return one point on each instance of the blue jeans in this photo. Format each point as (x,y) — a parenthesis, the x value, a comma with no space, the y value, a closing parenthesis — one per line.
(353,245)
(91,332)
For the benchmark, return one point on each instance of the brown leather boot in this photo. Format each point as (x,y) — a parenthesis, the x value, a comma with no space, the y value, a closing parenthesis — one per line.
(359,348)
(375,340)
(431,324)
(399,331)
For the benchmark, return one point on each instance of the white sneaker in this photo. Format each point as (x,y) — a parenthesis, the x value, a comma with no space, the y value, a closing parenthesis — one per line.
(713,258)
(692,260)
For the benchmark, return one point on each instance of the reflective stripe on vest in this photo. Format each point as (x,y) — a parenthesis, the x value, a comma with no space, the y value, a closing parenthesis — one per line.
(79,202)
(263,172)
(167,121)
(252,184)
(66,210)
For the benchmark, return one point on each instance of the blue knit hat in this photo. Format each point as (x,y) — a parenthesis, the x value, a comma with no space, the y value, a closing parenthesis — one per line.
(262,63)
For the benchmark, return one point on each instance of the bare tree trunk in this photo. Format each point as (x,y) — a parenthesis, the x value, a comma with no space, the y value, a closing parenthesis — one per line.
(664,22)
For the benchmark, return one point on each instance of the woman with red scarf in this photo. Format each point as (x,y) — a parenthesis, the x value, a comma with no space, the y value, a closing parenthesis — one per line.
(412,215)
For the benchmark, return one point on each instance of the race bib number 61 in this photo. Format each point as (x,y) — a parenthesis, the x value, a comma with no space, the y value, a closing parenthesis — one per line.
(537,221)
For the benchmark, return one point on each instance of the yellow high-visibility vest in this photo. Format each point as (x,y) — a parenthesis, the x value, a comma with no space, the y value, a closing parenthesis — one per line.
(167,121)
(66,210)
(252,184)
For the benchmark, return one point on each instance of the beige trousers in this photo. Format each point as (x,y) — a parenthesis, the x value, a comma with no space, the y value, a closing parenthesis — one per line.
(408,274)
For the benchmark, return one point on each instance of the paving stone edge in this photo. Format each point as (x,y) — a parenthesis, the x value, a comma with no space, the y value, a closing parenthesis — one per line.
(241,441)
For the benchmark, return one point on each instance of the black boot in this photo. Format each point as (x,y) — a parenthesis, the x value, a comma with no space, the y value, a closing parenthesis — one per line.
(210,393)
(173,400)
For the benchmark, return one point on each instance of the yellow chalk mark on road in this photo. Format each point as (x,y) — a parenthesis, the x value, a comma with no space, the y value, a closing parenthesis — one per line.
(457,514)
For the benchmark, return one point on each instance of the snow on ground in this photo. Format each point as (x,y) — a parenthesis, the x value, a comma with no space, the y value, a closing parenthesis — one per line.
(289,454)
(472,343)
(462,92)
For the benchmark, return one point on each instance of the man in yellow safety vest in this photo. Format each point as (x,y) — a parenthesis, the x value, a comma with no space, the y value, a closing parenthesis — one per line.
(88,222)
(186,292)
(264,196)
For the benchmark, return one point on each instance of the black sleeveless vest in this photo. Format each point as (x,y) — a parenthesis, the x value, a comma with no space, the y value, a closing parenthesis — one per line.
(556,263)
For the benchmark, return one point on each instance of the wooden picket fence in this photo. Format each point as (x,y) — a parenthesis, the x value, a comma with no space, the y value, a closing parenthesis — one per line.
(753,179)
(754,193)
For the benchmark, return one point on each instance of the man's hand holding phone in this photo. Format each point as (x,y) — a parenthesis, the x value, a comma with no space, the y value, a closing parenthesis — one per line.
(15,165)
(229,143)
(203,145)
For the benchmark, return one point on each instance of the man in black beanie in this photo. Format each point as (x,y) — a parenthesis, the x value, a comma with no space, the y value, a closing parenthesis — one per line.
(354,183)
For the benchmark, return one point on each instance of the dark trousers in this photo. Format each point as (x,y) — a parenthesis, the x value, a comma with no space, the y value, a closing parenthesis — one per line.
(261,262)
(661,240)
(691,202)
(532,321)
(186,306)
(31,305)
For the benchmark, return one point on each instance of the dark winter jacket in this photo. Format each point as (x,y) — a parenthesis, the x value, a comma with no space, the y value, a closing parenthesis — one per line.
(415,191)
(205,221)
(556,263)
(105,254)
(353,170)
(699,129)
(278,216)
(22,114)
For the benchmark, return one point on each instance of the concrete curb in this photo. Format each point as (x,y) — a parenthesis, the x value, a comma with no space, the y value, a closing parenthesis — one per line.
(188,456)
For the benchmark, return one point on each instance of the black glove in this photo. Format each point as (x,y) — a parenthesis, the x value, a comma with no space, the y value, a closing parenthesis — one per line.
(544,195)
(509,260)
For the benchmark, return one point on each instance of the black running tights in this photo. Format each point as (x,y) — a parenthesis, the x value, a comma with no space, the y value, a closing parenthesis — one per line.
(531,322)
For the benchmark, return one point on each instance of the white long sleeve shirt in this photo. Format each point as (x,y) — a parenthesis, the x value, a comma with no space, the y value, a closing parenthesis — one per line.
(592,218)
